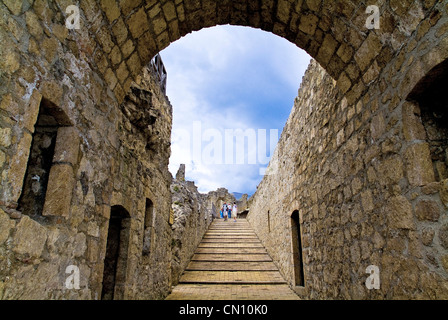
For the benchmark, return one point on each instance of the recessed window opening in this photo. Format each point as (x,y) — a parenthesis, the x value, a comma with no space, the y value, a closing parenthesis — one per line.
(431,97)
(40,161)
(148,226)
(296,239)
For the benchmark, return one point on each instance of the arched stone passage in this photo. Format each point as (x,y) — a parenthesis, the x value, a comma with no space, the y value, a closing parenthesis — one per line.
(129,33)
(350,162)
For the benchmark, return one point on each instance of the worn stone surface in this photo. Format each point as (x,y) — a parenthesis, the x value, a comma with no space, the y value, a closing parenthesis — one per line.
(364,197)
(192,218)
(352,160)
(30,238)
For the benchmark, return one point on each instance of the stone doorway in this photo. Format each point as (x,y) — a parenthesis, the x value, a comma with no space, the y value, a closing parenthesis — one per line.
(296,239)
(115,262)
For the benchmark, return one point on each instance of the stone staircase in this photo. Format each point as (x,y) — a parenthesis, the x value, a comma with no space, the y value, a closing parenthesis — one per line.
(231,264)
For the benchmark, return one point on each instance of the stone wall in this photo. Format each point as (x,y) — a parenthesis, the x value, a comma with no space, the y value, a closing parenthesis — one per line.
(369,187)
(112,156)
(362,177)
(192,217)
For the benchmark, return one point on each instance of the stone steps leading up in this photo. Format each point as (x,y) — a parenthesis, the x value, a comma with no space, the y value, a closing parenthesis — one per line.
(231,263)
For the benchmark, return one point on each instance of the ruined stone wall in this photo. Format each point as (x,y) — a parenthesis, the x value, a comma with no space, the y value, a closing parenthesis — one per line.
(361,171)
(192,217)
(109,155)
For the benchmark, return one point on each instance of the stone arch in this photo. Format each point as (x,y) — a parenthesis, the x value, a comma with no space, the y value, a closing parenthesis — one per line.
(132,32)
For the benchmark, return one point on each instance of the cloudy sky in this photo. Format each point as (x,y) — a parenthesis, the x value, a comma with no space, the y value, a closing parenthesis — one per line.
(226,82)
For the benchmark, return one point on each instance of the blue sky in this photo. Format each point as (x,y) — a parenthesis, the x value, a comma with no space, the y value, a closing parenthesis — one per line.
(229,78)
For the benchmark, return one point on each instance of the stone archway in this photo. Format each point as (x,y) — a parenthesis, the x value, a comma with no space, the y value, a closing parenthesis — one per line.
(115,262)
(87,72)
(131,33)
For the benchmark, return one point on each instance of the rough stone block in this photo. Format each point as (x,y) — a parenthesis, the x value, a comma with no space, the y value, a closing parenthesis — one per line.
(412,124)
(368,51)
(159,25)
(377,126)
(283,10)
(427,210)
(49,48)
(120,31)
(59,191)
(443,236)
(5,137)
(32,111)
(111,9)
(344,83)
(30,238)
(67,146)
(33,24)
(52,91)
(327,49)
(10,61)
(169,10)
(128,5)
(14,6)
(18,165)
(6,224)
(399,213)
(367,201)
(138,23)
(444,192)
(110,78)
(419,165)
(308,24)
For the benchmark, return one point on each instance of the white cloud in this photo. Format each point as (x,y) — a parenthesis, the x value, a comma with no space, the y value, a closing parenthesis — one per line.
(214,77)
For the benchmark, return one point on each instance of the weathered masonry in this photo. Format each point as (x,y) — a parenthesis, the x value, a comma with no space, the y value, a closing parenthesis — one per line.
(360,170)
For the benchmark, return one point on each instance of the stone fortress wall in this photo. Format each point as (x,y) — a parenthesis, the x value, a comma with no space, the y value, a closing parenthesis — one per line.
(85,143)
(370,185)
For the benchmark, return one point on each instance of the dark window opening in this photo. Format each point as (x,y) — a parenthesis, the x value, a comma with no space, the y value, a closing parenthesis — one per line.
(431,97)
(148,226)
(297,249)
(115,262)
(269,222)
(32,198)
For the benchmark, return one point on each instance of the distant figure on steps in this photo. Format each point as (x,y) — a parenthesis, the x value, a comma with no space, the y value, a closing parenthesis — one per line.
(224,210)
(234,211)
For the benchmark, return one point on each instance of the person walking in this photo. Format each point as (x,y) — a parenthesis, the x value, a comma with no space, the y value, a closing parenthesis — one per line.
(224,210)
(234,211)
(229,210)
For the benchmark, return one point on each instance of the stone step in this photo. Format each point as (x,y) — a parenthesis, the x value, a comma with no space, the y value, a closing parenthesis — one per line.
(232,292)
(231,232)
(239,235)
(229,240)
(231,263)
(232,277)
(231,257)
(230,245)
(230,237)
(230,266)
(231,250)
